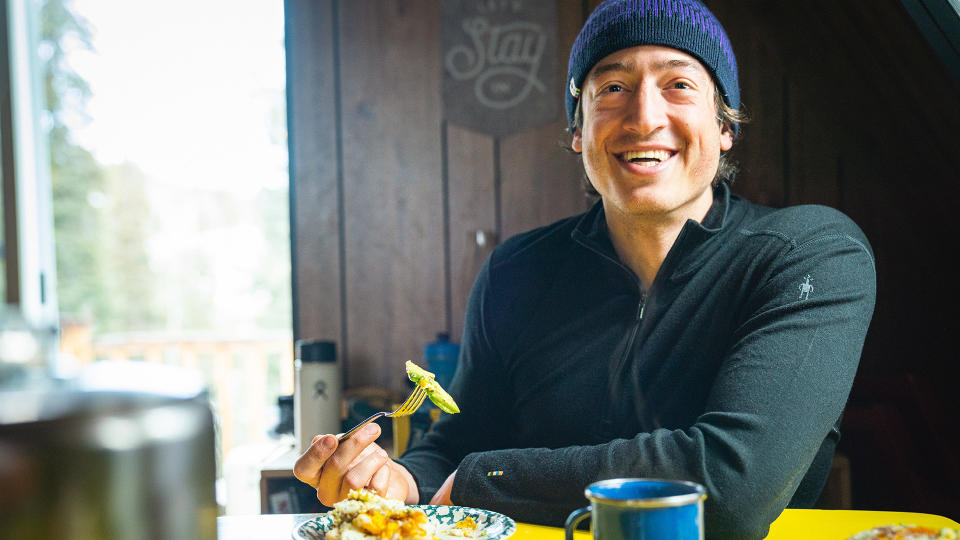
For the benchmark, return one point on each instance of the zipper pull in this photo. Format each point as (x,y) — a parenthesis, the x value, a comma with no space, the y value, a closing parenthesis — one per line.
(643,304)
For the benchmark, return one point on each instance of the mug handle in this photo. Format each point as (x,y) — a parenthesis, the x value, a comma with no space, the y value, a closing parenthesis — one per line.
(574,519)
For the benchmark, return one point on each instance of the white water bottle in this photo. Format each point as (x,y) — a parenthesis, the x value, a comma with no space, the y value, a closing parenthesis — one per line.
(316,403)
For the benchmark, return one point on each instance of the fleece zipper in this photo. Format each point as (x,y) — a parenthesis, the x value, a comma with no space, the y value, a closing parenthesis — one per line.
(606,428)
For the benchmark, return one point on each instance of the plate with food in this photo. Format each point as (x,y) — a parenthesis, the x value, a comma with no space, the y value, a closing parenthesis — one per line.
(364,515)
(902,531)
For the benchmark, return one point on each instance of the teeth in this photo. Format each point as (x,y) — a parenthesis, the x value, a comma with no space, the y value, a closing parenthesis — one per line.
(635,156)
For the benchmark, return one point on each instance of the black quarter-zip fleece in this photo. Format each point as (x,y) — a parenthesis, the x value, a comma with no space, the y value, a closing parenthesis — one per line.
(732,370)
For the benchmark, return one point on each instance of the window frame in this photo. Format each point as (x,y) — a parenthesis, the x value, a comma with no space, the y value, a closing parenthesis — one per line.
(28,242)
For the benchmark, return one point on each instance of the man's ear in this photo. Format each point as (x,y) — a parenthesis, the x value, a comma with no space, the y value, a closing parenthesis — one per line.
(577,142)
(726,137)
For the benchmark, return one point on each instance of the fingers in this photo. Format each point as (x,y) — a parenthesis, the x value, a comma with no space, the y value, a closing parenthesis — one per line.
(360,475)
(380,481)
(333,468)
(397,487)
(308,466)
(351,466)
(364,454)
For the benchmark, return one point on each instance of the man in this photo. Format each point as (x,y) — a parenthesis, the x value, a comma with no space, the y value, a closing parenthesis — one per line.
(672,331)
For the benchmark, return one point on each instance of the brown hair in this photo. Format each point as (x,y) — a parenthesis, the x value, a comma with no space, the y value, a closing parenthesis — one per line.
(728,117)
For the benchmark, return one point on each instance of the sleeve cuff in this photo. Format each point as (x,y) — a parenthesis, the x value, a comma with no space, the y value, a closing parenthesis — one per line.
(462,483)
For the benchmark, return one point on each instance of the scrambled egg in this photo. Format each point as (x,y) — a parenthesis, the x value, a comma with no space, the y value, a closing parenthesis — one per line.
(466,527)
(906,532)
(364,515)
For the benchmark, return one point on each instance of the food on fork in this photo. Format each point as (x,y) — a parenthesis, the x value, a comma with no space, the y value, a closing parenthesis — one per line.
(906,532)
(364,515)
(436,394)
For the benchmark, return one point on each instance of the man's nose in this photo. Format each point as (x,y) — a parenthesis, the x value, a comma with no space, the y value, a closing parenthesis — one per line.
(647,113)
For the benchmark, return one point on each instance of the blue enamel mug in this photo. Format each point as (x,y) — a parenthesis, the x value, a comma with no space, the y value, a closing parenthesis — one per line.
(642,509)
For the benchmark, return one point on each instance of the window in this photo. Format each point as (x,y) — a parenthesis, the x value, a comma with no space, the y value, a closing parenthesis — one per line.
(165,127)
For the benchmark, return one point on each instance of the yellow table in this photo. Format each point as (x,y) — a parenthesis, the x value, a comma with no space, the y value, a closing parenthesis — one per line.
(791,525)
(841,524)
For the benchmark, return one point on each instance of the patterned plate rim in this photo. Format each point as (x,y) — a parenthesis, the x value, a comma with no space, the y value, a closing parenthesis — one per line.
(321,521)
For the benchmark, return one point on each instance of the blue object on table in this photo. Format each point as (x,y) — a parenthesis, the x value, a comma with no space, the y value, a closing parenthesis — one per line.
(441,358)
(642,509)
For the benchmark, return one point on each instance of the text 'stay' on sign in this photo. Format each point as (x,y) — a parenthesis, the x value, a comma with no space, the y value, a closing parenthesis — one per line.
(500,64)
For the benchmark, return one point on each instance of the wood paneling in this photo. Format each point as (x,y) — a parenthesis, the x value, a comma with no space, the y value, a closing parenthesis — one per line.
(541,181)
(760,147)
(315,192)
(472,189)
(387,198)
(393,185)
(813,151)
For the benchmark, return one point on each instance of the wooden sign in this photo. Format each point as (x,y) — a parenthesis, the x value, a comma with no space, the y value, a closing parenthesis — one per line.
(500,64)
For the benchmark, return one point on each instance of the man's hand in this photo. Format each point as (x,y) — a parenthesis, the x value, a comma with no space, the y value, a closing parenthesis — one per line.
(334,469)
(442,496)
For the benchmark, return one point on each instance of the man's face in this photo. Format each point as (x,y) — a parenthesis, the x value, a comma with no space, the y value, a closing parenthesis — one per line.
(650,139)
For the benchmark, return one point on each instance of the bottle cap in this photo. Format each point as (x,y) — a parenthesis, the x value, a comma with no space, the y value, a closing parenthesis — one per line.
(316,351)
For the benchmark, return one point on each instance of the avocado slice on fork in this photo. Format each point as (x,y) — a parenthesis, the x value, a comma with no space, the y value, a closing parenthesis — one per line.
(435,392)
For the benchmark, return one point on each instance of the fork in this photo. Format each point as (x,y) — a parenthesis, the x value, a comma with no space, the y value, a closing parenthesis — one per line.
(406,408)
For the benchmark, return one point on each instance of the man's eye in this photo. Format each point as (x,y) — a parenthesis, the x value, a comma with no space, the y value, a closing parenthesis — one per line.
(681,85)
(613,88)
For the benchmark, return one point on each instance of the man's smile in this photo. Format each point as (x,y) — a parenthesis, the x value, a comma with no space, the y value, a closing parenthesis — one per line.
(646,158)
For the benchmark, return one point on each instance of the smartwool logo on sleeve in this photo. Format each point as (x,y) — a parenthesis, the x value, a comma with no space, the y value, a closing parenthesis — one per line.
(805,288)
(500,64)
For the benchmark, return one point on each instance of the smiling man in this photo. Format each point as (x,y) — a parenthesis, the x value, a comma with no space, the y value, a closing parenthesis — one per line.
(675,330)
(651,144)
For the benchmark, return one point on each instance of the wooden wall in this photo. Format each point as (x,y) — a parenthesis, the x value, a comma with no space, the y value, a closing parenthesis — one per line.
(851,108)
(388,197)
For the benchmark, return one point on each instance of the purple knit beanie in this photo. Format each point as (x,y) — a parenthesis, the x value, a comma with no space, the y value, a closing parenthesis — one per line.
(686,25)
